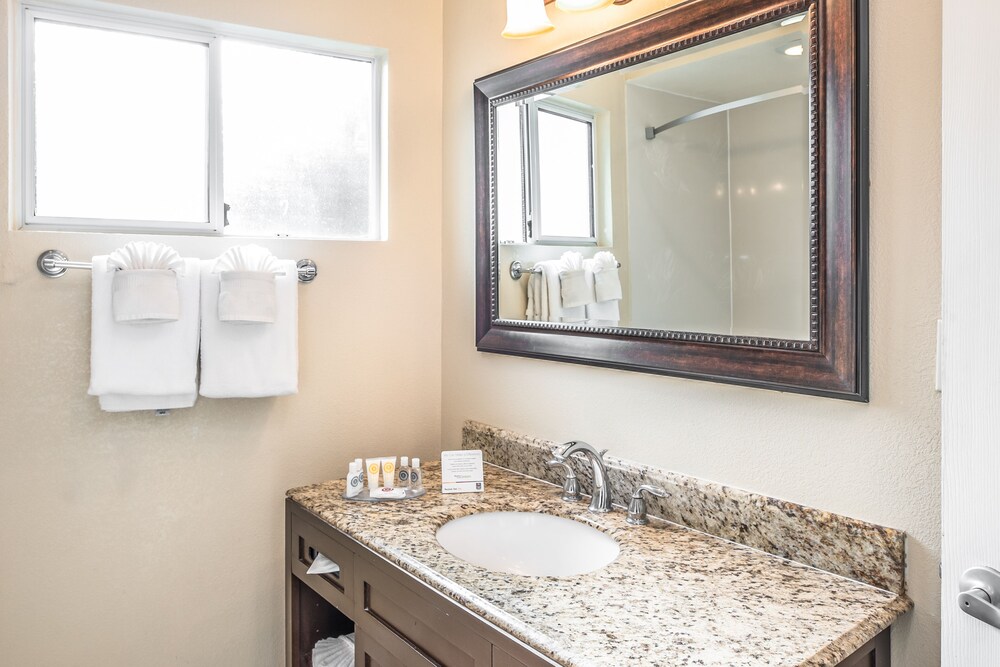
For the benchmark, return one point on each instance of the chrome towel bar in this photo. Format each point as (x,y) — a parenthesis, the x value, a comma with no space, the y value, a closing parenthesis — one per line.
(517,270)
(54,263)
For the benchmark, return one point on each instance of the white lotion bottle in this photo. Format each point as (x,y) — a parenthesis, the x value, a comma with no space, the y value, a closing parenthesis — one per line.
(416,476)
(404,472)
(354,480)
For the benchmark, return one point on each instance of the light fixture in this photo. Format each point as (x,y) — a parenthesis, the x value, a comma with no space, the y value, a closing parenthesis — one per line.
(582,5)
(526,18)
(794,49)
(791,20)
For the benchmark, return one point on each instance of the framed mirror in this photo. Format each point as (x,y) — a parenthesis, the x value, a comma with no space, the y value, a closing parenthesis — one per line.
(684,195)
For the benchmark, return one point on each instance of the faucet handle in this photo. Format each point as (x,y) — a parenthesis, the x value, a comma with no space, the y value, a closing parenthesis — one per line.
(571,487)
(637,506)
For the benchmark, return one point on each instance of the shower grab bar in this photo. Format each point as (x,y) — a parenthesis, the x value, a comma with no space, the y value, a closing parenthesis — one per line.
(54,263)
(651,132)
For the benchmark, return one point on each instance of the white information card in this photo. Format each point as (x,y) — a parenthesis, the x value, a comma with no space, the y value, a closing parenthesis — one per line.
(462,471)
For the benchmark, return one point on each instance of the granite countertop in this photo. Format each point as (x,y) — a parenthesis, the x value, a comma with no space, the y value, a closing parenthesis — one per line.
(674,596)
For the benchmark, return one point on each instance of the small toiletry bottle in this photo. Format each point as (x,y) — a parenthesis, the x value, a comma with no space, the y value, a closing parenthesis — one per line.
(374,465)
(416,477)
(389,471)
(404,472)
(354,480)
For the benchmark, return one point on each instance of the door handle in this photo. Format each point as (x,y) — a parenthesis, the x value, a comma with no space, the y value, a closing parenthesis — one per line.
(980,594)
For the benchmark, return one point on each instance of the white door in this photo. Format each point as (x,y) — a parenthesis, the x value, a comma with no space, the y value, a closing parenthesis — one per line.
(970,513)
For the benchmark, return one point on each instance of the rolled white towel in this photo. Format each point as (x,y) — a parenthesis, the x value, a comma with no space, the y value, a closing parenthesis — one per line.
(334,652)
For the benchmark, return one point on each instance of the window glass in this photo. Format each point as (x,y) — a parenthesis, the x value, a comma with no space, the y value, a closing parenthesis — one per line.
(121,125)
(297,142)
(510,174)
(565,165)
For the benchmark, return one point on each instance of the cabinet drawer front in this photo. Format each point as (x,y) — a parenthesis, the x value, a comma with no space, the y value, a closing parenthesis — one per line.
(414,629)
(308,541)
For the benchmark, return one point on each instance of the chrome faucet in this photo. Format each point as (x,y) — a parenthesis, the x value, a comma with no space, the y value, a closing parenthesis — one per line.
(600,501)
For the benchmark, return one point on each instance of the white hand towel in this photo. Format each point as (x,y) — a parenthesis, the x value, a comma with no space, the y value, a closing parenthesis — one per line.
(250,360)
(533,309)
(247,292)
(247,296)
(147,367)
(600,313)
(553,309)
(145,296)
(573,281)
(145,288)
(607,285)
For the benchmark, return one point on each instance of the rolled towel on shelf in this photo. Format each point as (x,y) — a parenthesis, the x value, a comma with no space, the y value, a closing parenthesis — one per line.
(149,367)
(145,288)
(247,291)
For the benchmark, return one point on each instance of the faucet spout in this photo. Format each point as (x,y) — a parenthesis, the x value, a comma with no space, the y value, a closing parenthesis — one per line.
(600,501)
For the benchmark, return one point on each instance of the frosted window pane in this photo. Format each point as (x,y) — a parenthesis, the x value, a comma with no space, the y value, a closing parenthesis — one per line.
(564,163)
(510,216)
(297,142)
(120,125)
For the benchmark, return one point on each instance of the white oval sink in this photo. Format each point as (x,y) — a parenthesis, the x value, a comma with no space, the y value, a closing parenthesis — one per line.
(528,543)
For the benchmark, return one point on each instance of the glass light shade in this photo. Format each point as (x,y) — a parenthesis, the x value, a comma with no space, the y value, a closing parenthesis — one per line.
(526,18)
(581,5)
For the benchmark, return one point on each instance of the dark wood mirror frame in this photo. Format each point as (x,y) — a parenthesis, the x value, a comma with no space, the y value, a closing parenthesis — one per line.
(834,362)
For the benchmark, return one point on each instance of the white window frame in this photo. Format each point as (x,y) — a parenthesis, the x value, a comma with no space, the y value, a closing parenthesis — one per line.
(535,221)
(170,26)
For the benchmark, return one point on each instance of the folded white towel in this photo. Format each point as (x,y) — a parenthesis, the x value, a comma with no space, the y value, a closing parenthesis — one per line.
(534,310)
(553,309)
(573,286)
(147,367)
(247,293)
(145,296)
(600,313)
(247,296)
(250,360)
(145,283)
(607,285)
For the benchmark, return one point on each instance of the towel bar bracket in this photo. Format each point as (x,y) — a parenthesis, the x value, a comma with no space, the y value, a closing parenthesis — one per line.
(307,270)
(54,263)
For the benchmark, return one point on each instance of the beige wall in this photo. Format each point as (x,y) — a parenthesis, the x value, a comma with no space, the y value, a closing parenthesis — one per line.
(878,461)
(136,540)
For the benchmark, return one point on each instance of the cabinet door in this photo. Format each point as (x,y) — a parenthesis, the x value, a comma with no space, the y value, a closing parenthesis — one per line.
(371,654)
(503,659)
(412,626)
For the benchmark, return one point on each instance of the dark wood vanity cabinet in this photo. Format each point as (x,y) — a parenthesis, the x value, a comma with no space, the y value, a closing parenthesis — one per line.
(399,621)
